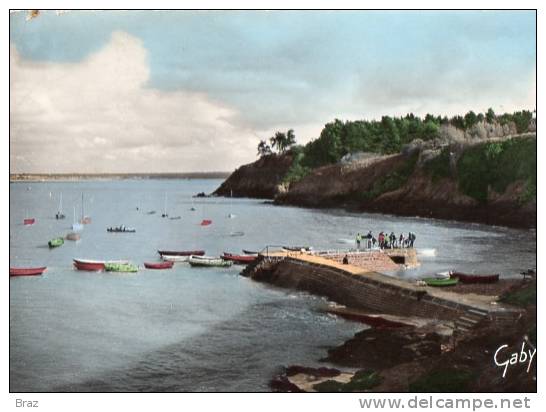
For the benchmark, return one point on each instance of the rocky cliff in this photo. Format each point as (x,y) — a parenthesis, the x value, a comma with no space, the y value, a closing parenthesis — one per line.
(260,179)
(490,181)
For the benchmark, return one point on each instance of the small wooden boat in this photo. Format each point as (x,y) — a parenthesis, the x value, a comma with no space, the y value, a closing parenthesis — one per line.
(29,221)
(181,252)
(175,218)
(175,258)
(440,282)
(234,234)
(249,252)
(298,248)
(206,222)
(89,265)
(27,271)
(158,265)
(151,212)
(121,229)
(241,259)
(73,236)
(58,241)
(209,261)
(475,278)
(120,267)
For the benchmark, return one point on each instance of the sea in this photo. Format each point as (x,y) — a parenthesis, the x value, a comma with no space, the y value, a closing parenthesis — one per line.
(193,329)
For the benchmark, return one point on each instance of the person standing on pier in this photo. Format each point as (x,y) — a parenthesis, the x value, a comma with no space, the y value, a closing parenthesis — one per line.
(369,237)
(381,239)
(401,240)
(358,239)
(392,238)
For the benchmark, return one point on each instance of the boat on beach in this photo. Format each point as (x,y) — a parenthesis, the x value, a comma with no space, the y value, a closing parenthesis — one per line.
(181,252)
(240,259)
(58,241)
(158,265)
(440,282)
(27,271)
(475,278)
(208,261)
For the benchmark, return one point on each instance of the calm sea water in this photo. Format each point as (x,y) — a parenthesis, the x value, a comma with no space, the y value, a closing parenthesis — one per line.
(191,329)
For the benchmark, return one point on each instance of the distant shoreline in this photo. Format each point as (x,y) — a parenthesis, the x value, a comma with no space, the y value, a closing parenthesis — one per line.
(45,177)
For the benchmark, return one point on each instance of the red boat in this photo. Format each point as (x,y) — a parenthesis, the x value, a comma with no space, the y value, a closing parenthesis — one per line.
(89,265)
(158,265)
(26,271)
(181,252)
(475,278)
(205,222)
(29,221)
(243,259)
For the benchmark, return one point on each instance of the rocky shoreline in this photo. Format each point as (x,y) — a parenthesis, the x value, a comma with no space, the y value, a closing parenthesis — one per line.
(426,357)
(417,182)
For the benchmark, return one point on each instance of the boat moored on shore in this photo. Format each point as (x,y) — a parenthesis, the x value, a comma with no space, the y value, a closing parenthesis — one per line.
(475,278)
(208,261)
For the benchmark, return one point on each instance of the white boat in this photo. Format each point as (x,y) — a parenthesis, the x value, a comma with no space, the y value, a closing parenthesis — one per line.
(209,261)
(443,275)
(175,258)
(426,252)
(76,227)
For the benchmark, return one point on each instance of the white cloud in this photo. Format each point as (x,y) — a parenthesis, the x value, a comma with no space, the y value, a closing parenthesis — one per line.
(98,115)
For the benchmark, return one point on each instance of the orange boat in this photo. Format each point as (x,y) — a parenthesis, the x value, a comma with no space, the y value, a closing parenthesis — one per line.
(26,271)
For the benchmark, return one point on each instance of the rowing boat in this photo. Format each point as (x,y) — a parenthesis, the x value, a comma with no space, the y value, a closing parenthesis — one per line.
(440,282)
(181,252)
(241,259)
(58,241)
(158,265)
(208,261)
(27,271)
(120,267)
(475,278)
(175,258)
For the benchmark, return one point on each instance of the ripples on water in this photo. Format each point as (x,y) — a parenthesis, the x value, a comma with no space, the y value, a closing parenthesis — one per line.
(191,329)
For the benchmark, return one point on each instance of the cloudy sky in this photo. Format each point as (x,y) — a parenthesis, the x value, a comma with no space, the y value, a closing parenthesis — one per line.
(195,91)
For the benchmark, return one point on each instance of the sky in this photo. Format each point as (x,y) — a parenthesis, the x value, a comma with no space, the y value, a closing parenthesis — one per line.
(183,91)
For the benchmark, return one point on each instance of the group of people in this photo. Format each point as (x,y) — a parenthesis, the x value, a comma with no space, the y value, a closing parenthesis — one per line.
(385,240)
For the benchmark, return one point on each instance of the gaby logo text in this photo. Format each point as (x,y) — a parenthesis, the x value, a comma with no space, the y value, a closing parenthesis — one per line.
(505,360)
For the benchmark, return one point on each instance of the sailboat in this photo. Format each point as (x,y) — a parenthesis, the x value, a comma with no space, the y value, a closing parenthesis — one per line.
(76,227)
(60,214)
(85,220)
(231,216)
(164,214)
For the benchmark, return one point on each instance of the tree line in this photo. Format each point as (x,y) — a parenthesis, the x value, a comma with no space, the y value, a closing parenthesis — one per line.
(385,136)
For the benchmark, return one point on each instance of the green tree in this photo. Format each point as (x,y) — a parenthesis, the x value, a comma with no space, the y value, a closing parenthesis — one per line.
(470,119)
(263,149)
(490,115)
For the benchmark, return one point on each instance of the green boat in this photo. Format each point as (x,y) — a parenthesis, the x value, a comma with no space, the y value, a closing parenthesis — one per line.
(58,241)
(120,267)
(441,282)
